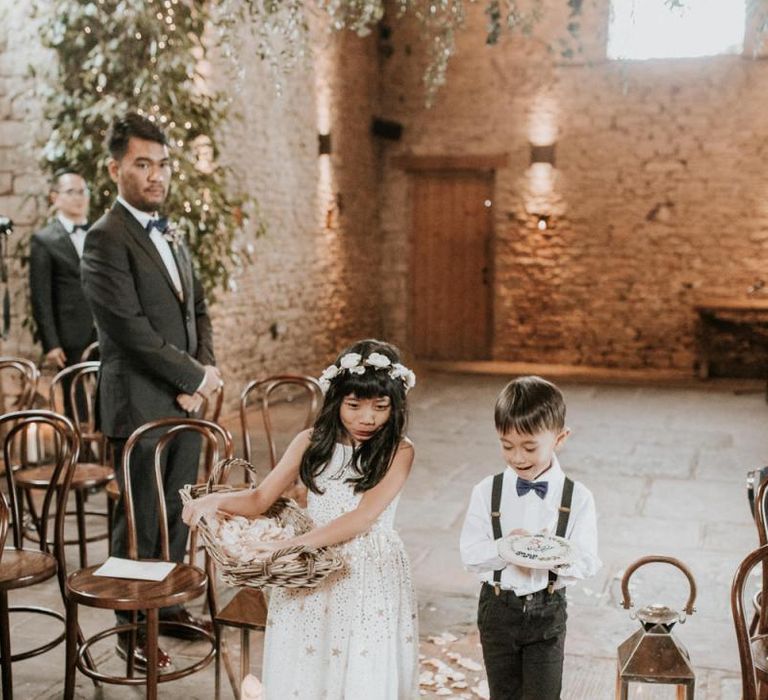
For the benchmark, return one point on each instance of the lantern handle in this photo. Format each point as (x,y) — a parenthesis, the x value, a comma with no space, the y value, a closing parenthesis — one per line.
(634,566)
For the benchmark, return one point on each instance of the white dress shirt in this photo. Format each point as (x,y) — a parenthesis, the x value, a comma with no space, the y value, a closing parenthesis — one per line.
(77,237)
(530,512)
(162,245)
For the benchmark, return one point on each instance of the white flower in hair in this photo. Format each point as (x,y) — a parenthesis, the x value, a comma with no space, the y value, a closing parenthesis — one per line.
(377,360)
(402,372)
(330,372)
(353,363)
(350,360)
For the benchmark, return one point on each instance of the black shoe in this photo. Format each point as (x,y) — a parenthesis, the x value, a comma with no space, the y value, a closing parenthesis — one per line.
(164,662)
(185,617)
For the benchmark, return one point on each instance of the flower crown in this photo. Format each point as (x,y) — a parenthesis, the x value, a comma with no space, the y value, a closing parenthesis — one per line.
(354,363)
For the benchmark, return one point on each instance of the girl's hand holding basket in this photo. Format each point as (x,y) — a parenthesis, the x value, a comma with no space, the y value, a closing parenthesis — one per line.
(271,562)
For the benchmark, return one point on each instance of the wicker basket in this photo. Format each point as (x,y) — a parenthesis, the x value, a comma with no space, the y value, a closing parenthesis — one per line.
(292,567)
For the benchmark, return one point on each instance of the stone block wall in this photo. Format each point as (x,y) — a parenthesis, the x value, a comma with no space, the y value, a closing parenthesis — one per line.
(311,286)
(657,197)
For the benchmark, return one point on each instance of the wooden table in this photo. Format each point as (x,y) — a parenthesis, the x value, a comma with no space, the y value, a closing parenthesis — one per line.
(747,318)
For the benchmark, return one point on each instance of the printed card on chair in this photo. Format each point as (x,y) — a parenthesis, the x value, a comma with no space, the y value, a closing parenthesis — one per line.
(131,568)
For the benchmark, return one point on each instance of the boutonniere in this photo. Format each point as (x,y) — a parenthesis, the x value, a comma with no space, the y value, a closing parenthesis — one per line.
(173,235)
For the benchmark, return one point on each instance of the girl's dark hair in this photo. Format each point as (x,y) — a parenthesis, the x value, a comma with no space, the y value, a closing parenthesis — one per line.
(529,405)
(371,459)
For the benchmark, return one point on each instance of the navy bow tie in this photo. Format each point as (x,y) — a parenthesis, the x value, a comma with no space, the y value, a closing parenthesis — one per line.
(160,224)
(524,486)
(79,227)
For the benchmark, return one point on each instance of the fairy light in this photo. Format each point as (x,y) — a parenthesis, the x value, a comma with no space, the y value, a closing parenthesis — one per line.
(87,29)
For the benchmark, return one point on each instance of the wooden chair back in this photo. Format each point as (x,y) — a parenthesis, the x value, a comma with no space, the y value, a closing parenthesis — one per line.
(16,427)
(217,444)
(81,382)
(22,372)
(91,352)
(738,611)
(265,392)
(4,516)
(761,512)
(83,375)
(212,405)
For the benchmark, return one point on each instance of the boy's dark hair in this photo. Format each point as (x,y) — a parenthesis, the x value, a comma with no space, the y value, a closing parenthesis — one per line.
(132,124)
(529,405)
(372,458)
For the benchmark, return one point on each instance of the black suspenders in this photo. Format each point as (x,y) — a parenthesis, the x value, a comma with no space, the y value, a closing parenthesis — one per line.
(562,522)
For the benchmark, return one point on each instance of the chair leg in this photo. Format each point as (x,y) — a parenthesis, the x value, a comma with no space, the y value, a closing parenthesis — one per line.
(71,644)
(152,630)
(5,646)
(110,515)
(217,631)
(81,534)
(245,655)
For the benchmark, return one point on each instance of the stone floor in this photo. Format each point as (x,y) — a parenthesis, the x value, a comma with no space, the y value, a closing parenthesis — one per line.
(667,468)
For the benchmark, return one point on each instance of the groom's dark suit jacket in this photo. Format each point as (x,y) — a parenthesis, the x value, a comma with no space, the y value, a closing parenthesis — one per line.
(59,307)
(153,345)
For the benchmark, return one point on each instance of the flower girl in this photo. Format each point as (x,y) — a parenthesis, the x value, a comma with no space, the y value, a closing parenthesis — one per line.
(355,636)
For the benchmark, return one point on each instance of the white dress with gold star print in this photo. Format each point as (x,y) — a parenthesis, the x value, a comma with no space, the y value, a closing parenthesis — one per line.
(355,636)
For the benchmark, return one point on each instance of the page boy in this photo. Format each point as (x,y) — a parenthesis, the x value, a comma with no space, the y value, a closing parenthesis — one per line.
(522,611)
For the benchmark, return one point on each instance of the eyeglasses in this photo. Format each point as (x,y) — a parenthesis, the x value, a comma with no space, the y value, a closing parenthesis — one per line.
(75,192)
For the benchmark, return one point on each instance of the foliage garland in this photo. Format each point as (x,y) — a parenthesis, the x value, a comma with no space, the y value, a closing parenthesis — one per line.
(115,56)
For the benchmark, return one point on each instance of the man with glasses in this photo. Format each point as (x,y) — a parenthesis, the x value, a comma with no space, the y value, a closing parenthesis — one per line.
(64,322)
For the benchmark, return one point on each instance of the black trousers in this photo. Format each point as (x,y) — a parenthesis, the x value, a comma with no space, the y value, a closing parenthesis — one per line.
(523,641)
(180,462)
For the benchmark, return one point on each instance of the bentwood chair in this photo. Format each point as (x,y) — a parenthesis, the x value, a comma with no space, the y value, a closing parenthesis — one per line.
(20,567)
(211,410)
(185,582)
(760,512)
(80,382)
(18,387)
(245,611)
(753,649)
(270,395)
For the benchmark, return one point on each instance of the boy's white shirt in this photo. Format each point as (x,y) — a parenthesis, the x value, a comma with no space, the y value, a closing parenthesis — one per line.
(479,552)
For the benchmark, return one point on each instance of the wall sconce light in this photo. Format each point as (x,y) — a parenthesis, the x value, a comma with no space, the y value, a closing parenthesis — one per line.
(543,154)
(324,144)
(542,222)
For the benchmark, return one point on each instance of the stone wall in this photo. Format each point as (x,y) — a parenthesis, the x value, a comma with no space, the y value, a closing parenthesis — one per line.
(309,287)
(657,197)
(22,185)
(312,285)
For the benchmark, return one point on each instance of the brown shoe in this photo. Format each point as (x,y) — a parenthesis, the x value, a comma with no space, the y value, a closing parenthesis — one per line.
(164,662)
(183,616)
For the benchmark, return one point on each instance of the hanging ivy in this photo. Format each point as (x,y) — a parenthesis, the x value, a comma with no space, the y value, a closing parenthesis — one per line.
(115,56)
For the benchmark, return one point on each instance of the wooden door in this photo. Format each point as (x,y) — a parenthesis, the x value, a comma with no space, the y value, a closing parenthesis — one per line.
(451,266)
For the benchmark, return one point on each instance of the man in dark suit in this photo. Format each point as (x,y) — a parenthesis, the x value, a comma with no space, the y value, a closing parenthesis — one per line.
(155,339)
(64,321)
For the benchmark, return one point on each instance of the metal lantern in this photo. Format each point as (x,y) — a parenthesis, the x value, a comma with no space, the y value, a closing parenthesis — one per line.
(653,654)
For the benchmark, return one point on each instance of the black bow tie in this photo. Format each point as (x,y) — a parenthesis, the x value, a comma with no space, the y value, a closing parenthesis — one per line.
(79,227)
(160,224)
(524,486)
